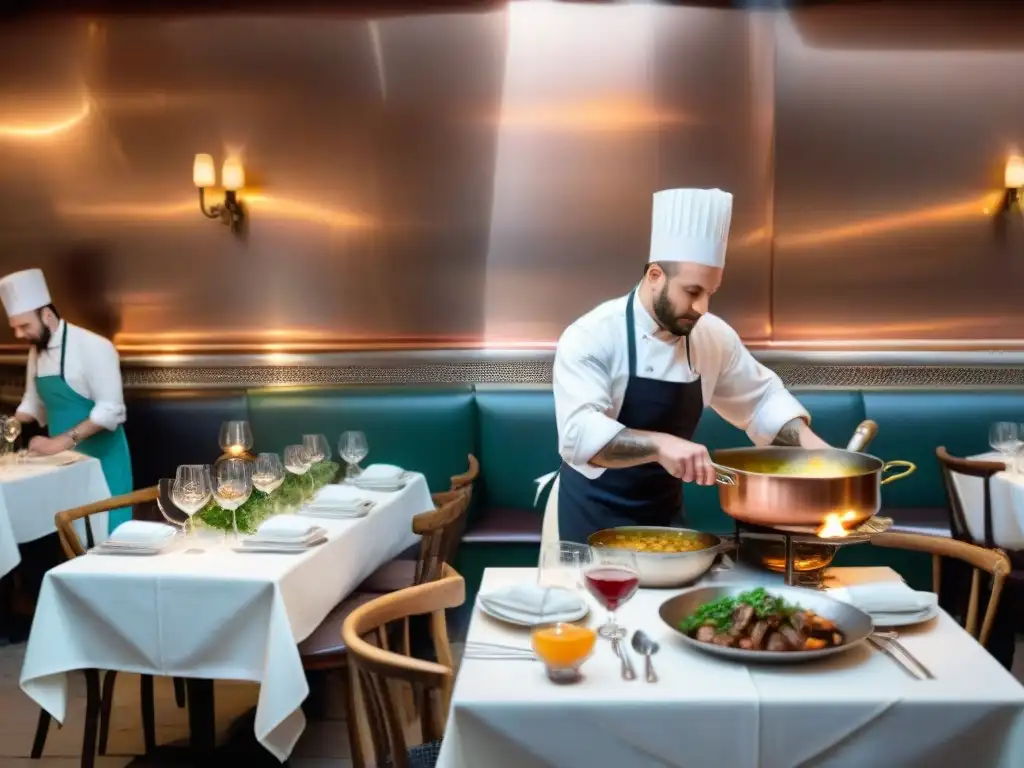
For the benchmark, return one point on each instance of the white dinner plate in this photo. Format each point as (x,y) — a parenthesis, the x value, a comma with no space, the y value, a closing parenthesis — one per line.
(530,620)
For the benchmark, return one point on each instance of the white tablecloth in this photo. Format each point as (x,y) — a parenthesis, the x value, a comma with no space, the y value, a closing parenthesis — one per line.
(32,493)
(857,710)
(1007,504)
(221,614)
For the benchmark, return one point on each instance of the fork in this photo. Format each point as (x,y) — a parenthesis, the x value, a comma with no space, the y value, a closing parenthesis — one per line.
(893,638)
(481,650)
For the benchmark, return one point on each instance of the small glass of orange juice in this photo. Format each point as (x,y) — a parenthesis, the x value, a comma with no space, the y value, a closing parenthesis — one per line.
(563,648)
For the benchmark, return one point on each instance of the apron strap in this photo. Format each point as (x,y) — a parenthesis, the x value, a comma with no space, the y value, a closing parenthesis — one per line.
(630,338)
(63,349)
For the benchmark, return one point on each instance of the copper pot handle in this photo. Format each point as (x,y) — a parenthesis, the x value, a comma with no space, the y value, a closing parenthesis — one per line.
(910,468)
(724,475)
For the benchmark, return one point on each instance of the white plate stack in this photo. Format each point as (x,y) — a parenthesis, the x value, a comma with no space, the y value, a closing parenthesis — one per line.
(890,604)
(337,502)
(137,537)
(381,477)
(531,605)
(284,534)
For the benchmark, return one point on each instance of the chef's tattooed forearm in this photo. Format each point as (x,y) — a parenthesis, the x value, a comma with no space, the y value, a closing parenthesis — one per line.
(789,434)
(629,448)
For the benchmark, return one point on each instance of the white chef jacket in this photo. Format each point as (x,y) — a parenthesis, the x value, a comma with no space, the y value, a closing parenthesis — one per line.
(92,368)
(592,369)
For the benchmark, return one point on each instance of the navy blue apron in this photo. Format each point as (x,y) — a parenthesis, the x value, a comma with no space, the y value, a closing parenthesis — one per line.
(641,495)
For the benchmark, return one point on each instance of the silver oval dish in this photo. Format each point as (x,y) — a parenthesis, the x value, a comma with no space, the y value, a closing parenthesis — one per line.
(855,625)
(669,569)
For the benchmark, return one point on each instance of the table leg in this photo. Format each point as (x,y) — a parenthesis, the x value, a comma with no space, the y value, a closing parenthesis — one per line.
(92,717)
(202,721)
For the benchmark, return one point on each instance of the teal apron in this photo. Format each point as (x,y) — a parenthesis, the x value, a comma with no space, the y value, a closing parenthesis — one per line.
(65,409)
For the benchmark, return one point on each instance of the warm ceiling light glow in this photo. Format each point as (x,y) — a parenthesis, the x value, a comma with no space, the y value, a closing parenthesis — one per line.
(1015,172)
(203,172)
(232,175)
(46,130)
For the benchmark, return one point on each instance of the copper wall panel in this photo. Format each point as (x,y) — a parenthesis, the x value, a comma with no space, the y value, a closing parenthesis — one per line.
(888,169)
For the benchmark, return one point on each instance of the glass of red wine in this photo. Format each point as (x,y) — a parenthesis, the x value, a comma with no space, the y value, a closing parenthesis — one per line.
(612,578)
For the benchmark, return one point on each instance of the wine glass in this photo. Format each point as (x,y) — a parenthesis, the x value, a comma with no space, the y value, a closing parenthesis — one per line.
(192,489)
(353,449)
(562,564)
(612,578)
(297,460)
(317,448)
(235,437)
(268,473)
(232,487)
(1005,437)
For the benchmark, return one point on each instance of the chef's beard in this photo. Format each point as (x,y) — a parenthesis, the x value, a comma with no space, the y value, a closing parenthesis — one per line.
(43,342)
(667,318)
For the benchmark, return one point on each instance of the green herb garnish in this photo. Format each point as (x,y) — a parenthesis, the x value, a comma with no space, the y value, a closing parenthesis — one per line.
(718,613)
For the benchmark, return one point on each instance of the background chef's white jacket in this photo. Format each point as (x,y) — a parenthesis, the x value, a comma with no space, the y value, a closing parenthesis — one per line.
(92,368)
(592,368)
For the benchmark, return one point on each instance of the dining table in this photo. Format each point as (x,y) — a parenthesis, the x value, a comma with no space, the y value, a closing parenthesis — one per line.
(853,709)
(1007,489)
(203,610)
(34,489)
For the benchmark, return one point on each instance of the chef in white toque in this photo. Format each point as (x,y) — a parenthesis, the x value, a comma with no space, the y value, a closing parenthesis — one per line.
(633,376)
(72,384)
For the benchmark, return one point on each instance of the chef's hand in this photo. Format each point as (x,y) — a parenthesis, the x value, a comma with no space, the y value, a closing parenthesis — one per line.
(48,446)
(690,462)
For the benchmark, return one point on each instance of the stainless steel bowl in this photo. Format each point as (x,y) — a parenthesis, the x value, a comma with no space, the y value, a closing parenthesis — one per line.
(668,569)
(855,625)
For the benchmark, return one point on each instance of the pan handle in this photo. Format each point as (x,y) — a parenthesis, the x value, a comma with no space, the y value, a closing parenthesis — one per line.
(724,475)
(910,467)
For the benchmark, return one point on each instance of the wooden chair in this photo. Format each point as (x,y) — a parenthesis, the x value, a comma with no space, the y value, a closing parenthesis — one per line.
(402,573)
(384,675)
(991,561)
(951,465)
(73,548)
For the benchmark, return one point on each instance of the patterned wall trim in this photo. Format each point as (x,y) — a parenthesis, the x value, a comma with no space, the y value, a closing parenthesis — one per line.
(526,372)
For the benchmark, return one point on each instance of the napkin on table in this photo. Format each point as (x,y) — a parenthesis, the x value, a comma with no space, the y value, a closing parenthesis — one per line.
(381,473)
(284,528)
(885,597)
(141,532)
(529,598)
(336,497)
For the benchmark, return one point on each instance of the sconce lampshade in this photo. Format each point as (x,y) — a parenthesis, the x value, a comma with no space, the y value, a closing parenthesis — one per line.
(232,174)
(203,172)
(1015,172)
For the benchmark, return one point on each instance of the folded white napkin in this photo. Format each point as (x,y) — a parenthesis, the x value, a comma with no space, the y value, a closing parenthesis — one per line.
(885,597)
(381,473)
(142,532)
(284,528)
(528,599)
(340,498)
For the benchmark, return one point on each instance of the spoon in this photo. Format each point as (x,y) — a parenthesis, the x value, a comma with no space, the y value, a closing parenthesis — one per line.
(646,647)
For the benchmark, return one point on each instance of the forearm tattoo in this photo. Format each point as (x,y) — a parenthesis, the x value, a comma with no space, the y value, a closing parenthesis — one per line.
(789,434)
(627,449)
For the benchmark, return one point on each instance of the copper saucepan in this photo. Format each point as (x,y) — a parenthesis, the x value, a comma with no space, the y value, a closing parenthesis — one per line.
(801,487)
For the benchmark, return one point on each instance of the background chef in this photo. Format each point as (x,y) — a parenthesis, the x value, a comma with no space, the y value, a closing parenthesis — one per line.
(72,384)
(632,377)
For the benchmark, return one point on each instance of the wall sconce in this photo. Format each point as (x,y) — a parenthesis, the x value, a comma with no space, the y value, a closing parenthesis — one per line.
(231,211)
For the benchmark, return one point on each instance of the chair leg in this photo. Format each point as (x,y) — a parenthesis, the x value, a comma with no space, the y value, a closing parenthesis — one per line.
(179,692)
(92,716)
(351,717)
(42,729)
(148,713)
(106,704)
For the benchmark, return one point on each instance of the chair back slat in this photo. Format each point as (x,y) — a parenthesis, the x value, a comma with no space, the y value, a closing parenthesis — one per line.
(952,465)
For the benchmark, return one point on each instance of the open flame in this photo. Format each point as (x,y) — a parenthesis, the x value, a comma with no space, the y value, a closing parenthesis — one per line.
(835,525)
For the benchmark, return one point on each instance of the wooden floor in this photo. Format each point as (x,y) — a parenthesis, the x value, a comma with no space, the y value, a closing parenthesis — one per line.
(323,745)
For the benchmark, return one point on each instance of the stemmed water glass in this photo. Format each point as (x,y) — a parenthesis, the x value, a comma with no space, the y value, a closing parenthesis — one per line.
(233,487)
(297,460)
(235,437)
(192,489)
(612,578)
(268,474)
(317,448)
(12,430)
(353,449)
(1007,438)
(562,564)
